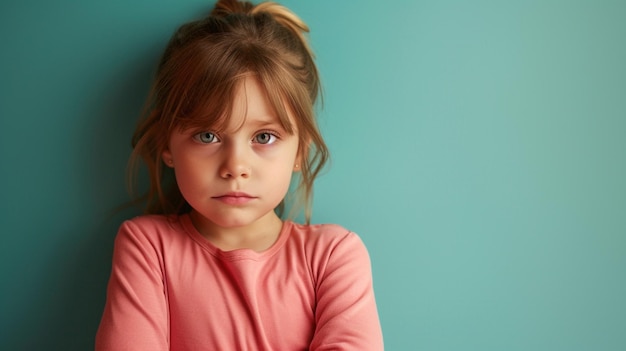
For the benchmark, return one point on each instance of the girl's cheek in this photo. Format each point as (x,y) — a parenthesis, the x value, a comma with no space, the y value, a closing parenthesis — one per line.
(269,151)
(202,150)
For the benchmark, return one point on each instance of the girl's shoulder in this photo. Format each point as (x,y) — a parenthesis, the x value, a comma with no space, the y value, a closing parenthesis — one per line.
(151,227)
(153,221)
(326,236)
(324,230)
(328,248)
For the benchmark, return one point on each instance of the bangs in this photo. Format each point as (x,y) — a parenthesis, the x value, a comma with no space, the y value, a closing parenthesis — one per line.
(211,110)
(283,96)
(208,106)
(203,95)
(200,93)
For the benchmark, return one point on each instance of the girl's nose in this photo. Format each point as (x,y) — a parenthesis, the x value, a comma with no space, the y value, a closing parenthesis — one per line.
(236,162)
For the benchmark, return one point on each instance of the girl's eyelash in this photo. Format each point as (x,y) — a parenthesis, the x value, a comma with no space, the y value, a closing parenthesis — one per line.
(198,136)
(273,137)
(268,131)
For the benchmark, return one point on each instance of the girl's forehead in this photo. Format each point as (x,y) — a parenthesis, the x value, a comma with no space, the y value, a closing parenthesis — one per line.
(251,99)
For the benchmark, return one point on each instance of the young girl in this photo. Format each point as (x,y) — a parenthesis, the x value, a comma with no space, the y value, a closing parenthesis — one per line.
(212,266)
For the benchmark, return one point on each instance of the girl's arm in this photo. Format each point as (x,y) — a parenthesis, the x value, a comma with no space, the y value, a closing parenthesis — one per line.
(346,314)
(135,316)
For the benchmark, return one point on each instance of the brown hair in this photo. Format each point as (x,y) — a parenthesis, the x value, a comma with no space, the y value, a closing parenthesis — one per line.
(196,81)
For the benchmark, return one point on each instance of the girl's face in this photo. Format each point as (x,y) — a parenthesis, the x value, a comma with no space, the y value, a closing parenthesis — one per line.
(236,177)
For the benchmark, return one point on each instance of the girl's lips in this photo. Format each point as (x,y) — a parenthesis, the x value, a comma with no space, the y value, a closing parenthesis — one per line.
(235,198)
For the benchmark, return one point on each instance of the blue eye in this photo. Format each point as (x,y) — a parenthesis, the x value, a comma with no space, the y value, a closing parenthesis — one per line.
(265,138)
(205,137)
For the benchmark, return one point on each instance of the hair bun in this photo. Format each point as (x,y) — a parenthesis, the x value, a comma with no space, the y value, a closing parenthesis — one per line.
(286,18)
(279,13)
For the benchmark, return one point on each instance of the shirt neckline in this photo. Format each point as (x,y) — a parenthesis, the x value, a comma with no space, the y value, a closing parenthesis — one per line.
(237,254)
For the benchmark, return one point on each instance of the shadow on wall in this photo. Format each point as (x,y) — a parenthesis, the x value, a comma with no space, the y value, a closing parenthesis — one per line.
(65,316)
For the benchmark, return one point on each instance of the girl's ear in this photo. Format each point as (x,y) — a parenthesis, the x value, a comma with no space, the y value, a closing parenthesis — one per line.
(167,158)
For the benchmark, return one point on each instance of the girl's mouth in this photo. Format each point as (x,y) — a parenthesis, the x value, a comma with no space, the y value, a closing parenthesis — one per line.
(234,198)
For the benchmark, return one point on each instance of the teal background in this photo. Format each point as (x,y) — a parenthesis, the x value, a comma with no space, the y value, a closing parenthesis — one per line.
(478,149)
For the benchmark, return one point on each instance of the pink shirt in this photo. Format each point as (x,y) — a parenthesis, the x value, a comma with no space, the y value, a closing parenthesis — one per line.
(170,289)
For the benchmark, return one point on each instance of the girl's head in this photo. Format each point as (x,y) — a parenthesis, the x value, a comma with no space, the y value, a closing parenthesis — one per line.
(200,77)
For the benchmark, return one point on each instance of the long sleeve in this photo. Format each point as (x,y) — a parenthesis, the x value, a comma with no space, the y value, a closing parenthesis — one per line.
(346,313)
(171,289)
(135,315)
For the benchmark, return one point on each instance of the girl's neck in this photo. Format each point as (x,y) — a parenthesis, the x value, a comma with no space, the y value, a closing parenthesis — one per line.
(257,236)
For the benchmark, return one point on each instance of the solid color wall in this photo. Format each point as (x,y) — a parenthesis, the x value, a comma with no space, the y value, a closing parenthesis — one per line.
(478,149)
